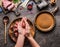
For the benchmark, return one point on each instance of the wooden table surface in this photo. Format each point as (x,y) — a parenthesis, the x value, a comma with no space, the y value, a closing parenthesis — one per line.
(51,39)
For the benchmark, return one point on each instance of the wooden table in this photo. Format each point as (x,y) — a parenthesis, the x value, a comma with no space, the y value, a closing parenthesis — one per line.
(51,39)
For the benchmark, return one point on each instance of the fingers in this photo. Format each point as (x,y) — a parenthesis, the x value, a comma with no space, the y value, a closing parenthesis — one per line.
(15,29)
(22,22)
(27,27)
(20,26)
(16,22)
(25,20)
(15,25)
(26,23)
(16,34)
(28,35)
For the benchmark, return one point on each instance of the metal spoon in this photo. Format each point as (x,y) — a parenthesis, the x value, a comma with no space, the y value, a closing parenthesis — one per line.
(5,21)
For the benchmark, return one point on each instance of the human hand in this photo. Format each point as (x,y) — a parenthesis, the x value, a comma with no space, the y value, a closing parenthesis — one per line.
(29,36)
(23,26)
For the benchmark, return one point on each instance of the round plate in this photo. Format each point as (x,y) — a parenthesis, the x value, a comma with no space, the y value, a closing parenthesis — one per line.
(45,21)
(11,32)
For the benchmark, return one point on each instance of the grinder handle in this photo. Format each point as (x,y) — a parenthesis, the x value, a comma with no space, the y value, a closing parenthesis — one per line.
(54,10)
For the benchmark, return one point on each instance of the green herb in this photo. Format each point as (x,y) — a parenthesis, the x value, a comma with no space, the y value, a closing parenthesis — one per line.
(15,1)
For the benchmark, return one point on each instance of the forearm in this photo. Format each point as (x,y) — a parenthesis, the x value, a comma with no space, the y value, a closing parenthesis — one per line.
(20,41)
(33,42)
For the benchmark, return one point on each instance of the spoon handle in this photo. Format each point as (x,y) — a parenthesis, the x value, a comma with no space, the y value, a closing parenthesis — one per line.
(5,34)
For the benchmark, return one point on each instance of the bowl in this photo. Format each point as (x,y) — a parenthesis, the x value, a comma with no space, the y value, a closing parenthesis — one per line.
(45,21)
(14,35)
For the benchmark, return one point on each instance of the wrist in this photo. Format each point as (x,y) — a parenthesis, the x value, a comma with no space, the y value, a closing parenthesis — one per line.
(21,36)
(20,33)
(30,38)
